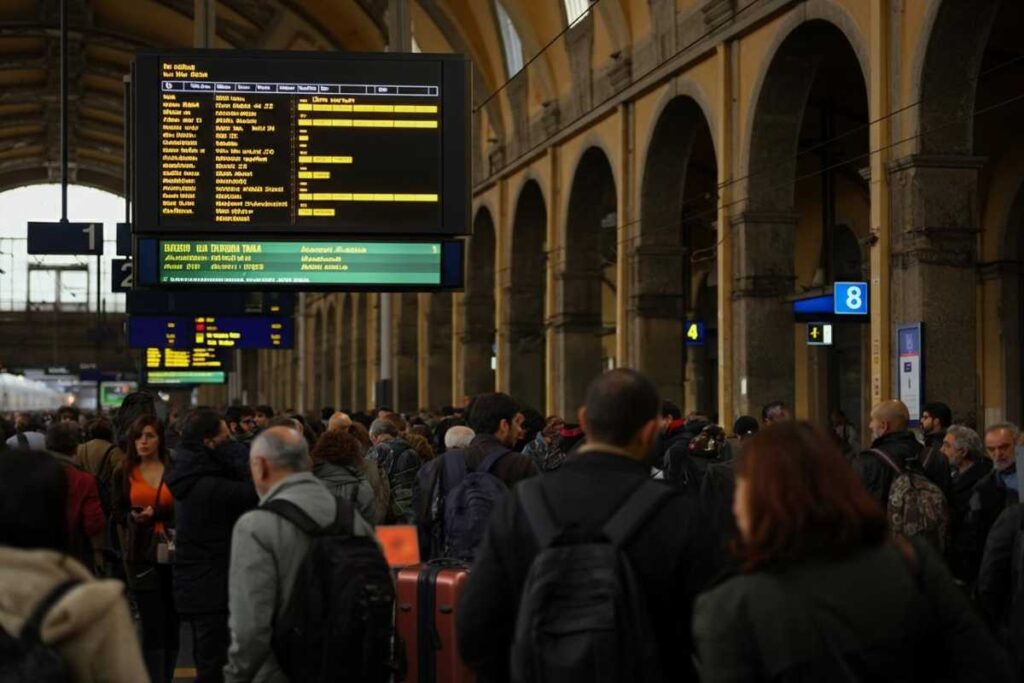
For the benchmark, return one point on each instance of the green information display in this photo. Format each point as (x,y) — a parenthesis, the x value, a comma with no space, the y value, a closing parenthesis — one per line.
(178,377)
(289,263)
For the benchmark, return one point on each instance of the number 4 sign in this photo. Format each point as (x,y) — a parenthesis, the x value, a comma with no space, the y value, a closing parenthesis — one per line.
(695,333)
(850,298)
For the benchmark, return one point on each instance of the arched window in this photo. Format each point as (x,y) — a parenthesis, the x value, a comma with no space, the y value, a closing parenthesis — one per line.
(510,39)
(574,9)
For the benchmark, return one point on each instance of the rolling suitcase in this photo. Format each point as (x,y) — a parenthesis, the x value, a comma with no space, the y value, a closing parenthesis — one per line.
(425,622)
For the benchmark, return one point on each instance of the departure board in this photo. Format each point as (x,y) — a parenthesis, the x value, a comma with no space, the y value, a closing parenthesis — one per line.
(173,378)
(308,265)
(200,358)
(288,143)
(178,332)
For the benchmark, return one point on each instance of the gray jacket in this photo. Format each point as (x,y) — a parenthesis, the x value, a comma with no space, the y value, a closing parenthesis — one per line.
(266,551)
(349,483)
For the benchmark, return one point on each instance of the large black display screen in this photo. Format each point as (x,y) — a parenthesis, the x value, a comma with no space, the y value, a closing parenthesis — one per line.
(224,332)
(239,142)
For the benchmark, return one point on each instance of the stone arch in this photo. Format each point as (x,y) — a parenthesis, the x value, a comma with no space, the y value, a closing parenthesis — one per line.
(946,66)
(585,311)
(478,330)
(406,367)
(810,112)
(439,350)
(348,361)
(360,324)
(331,389)
(525,296)
(317,369)
(678,209)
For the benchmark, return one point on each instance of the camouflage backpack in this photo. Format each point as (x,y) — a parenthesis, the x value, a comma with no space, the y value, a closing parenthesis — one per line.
(916,506)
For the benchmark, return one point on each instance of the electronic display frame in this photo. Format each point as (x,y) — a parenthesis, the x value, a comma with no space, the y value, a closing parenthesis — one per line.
(245,332)
(183,379)
(454,122)
(147,274)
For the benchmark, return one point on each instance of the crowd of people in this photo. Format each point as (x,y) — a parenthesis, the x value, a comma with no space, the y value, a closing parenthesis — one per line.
(774,550)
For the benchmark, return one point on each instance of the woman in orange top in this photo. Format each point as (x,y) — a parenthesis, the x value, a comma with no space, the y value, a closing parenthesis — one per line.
(144,509)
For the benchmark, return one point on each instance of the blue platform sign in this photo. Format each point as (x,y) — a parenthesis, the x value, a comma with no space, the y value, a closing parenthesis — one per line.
(850,298)
(696,334)
(65,239)
(910,349)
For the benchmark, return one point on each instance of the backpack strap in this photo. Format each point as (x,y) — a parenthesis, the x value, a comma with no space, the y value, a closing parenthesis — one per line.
(491,460)
(884,457)
(531,498)
(647,498)
(342,525)
(33,625)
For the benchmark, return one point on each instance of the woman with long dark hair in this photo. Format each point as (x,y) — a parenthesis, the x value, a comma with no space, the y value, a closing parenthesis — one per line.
(84,619)
(823,593)
(144,509)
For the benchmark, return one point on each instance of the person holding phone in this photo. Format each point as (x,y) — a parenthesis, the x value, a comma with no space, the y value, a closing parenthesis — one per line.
(144,510)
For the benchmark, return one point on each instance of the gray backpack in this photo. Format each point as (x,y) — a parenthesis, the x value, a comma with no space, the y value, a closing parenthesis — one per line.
(916,506)
(583,615)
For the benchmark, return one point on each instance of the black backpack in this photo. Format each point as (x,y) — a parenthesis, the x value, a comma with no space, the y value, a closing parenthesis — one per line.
(468,503)
(583,615)
(339,621)
(27,658)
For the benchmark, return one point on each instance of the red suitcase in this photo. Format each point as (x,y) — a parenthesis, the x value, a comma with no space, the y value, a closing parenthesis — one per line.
(425,622)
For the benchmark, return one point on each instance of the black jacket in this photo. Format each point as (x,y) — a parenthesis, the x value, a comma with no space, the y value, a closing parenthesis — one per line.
(669,555)
(967,525)
(935,464)
(902,447)
(510,468)
(1000,586)
(886,620)
(211,491)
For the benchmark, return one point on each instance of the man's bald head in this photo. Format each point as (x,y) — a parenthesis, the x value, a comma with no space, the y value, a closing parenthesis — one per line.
(339,421)
(283,449)
(888,417)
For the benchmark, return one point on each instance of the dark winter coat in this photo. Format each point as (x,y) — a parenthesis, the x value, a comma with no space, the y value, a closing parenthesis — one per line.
(872,617)
(902,447)
(1000,585)
(969,524)
(932,458)
(348,482)
(669,555)
(211,491)
(400,462)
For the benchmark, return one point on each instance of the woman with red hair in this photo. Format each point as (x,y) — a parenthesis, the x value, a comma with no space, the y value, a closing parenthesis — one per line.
(823,593)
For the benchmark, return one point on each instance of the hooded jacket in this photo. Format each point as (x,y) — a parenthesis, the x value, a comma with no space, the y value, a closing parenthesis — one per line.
(400,462)
(266,553)
(349,483)
(90,626)
(211,491)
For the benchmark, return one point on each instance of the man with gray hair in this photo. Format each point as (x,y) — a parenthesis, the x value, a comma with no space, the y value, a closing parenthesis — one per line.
(974,510)
(1008,458)
(267,550)
(399,461)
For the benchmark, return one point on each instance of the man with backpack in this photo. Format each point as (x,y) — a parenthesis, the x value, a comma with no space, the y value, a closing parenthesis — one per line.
(398,464)
(310,593)
(453,507)
(597,532)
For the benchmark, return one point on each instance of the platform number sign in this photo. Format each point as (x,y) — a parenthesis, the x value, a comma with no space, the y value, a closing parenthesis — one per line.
(121,275)
(695,333)
(64,238)
(850,298)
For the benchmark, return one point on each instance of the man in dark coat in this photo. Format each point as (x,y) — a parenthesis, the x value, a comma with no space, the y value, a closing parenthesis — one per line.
(936,418)
(889,421)
(212,488)
(496,419)
(1000,586)
(972,507)
(669,552)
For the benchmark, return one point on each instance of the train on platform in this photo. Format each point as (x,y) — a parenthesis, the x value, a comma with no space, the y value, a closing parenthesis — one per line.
(21,393)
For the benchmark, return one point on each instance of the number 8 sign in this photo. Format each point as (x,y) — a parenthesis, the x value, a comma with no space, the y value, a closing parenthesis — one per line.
(850,298)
